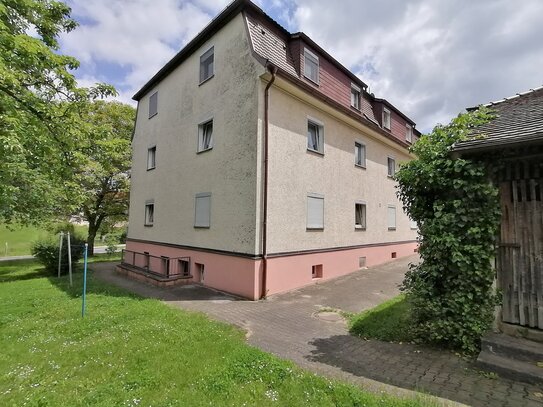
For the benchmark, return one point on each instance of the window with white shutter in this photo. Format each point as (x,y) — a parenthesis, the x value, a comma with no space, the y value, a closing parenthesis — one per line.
(202,217)
(315,211)
(391,217)
(153,104)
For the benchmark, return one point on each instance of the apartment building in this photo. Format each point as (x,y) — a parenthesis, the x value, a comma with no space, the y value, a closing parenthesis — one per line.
(261,164)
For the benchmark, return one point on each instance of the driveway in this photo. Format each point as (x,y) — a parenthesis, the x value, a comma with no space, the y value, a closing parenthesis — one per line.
(291,327)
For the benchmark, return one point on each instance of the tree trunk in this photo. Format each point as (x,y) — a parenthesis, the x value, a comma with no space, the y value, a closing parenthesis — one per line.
(91,236)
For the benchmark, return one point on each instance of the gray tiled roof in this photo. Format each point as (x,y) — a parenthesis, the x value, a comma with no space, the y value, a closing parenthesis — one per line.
(519,120)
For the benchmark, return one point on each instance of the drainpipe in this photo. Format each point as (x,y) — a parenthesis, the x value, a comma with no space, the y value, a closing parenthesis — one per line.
(273,70)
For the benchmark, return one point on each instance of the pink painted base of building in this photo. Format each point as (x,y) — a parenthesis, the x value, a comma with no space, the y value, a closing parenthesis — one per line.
(242,276)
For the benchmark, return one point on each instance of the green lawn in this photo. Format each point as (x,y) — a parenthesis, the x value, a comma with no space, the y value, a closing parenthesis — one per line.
(388,321)
(20,239)
(131,351)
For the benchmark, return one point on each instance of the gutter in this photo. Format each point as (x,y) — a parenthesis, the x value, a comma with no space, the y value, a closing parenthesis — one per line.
(273,70)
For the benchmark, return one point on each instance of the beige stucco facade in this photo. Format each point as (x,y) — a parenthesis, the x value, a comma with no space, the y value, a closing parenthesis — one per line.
(296,172)
(228,171)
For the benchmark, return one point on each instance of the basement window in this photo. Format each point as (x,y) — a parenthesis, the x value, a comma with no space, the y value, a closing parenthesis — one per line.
(316,271)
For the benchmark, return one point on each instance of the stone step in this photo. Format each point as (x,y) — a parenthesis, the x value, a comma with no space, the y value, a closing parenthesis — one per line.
(510,368)
(512,347)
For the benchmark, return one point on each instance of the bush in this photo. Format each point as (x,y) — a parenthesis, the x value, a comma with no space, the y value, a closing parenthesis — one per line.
(46,252)
(457,210)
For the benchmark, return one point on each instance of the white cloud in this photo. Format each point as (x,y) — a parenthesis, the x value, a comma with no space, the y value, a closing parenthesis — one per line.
(432,58)
(138,37)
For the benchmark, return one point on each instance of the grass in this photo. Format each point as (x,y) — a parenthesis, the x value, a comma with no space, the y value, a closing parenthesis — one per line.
(20,239)
(132,351)
(388,321)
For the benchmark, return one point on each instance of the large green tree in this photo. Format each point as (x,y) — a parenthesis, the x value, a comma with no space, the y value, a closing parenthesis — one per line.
(39,108)
(456,208)
(102,176)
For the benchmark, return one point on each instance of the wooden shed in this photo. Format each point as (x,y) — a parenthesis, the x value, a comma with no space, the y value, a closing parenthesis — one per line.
(512,145)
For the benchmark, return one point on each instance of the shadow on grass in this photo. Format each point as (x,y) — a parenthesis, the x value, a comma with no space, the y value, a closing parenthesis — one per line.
(389,321)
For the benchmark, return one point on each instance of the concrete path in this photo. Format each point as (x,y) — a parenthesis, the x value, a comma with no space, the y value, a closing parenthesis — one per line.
(97,250)
(291,326)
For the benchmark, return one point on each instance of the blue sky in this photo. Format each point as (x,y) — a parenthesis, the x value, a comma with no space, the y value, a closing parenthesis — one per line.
(430,58)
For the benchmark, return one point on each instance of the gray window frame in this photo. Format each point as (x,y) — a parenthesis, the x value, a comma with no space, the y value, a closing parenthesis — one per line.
(151,151)
(312,58)
(362,163)
(153,104)
(356,96)
(204,63)
(387,124)
(201,132)
(389,226)
(389,161)
(149,204)
(320,136)
(364,224)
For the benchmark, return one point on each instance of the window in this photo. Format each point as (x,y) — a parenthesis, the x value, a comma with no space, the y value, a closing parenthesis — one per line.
(362,262)
(391,212)
(355,96)
(184,268)
(153,104)
(360,215)
(316,271)
(386,118)
(391,166)
(202,215)
(413,224)
(315,137)
(315,211)
(311,66)
(408,133)
(207,65)
(205,136)
(360,155)
(151,158)
(149,213)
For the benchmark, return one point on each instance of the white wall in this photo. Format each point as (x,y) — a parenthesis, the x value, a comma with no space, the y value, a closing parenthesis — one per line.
(228,171)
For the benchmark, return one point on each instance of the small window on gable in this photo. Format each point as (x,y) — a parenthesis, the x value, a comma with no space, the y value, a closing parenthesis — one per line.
(355,96)
(153,104)
(151,158)
(315,136)
(360,155)
(360,215)
(391,215)
(149,213)
(311,66)
(386,118)
(408,133)
(202,217)
(391,166)
(207,65)
(205,136)
(315,212)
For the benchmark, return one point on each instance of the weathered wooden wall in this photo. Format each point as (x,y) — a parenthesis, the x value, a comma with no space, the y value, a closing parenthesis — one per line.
(520,254)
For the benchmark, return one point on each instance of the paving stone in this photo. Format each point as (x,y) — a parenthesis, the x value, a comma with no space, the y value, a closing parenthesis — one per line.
(286,326)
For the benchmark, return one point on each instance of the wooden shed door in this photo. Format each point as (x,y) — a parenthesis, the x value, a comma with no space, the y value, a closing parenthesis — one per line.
(520,255)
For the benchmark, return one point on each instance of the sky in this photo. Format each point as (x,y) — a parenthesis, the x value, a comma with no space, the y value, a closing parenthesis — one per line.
(429,58)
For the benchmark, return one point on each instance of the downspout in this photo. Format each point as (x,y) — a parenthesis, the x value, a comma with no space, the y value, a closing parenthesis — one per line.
(273,70)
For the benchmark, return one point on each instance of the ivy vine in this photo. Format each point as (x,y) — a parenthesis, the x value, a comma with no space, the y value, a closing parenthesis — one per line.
(457,210)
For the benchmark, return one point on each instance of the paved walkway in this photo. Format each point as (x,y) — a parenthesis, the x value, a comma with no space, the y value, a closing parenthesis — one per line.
(290,326)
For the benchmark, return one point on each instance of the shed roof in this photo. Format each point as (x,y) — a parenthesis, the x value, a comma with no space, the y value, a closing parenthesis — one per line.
(518,122)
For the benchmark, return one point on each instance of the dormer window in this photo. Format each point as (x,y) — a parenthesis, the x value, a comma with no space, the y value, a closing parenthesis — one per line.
(386,118)
(311,66)
(355,96)
(408,133)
